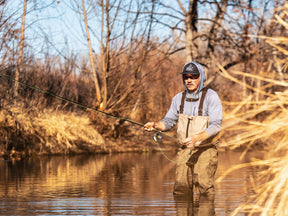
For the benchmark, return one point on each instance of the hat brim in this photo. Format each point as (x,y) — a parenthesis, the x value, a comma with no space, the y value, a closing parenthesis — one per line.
(188,72)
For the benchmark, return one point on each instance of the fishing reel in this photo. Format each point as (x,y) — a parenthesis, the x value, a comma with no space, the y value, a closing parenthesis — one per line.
(157,137)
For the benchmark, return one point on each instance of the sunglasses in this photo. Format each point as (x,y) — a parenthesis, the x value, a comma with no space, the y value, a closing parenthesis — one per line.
(191,76)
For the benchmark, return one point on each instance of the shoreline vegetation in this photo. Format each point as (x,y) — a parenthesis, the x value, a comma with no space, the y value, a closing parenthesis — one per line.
(29,131)
(138,82)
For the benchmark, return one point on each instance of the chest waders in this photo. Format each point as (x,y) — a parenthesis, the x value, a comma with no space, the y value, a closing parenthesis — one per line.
(198,166)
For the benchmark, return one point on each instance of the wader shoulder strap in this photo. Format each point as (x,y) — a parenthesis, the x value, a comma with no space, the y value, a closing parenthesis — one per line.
(200,109)
(182,102)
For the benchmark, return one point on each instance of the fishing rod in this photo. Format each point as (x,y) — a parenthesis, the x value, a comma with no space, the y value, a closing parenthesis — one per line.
(157,137)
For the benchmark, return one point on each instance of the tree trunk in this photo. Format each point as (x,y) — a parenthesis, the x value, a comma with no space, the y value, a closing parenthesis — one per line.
(105,50)
(191,29)
(19,61)
(217,20)
(96,82)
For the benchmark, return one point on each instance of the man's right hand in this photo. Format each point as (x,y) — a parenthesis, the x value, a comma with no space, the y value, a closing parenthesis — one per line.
(149,126)
(154,126)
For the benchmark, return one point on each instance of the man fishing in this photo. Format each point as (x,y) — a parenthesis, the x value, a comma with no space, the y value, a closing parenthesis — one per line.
(198,112)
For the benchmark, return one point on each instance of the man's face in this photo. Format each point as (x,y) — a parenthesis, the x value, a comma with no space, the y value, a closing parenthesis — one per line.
(192,81)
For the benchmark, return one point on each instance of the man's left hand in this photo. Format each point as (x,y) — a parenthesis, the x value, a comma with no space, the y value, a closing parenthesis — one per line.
(191,142)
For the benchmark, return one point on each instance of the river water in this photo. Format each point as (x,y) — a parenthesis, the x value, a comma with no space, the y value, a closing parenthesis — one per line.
(116,184)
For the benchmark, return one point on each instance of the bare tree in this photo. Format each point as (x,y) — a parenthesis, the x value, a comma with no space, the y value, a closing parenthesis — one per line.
(124,44)
(191,16)
(8,34)
(125,37)
(20,54)
(211,27)
(96,82)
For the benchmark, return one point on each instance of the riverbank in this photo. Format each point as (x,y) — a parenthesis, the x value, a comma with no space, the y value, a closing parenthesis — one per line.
(30,131)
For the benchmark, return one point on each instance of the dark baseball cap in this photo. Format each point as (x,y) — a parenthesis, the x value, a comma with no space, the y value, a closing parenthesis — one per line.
(190,68)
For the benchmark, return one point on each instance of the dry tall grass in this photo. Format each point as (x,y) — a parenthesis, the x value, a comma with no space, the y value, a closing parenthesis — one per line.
(263,122)
(31,131)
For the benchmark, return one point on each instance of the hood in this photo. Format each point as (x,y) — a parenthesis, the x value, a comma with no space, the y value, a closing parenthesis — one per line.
(202,76)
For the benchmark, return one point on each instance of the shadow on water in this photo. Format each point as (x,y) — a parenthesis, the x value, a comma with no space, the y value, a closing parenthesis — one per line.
(120,184)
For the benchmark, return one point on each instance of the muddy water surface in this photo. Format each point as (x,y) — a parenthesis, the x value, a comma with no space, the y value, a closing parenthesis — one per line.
(117,184)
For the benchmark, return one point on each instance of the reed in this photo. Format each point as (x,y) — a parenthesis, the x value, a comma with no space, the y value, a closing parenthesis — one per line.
(263,123)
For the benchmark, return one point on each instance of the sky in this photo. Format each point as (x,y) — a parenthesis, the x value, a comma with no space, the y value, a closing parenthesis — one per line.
(58,27)
(55,26)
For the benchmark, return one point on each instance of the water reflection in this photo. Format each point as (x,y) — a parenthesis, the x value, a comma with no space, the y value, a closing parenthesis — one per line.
(120,184)
(195,206)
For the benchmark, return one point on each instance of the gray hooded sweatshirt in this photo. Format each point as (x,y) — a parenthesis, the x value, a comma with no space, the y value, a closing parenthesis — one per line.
(212,106)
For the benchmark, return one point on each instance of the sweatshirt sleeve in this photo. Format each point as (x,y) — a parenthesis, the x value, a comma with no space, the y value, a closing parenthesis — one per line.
(172,115)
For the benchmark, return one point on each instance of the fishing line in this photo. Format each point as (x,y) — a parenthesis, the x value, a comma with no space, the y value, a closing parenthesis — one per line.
(69,101)
(157,137)
(157,133)
(164,154)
